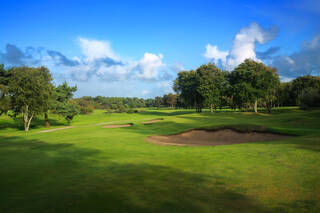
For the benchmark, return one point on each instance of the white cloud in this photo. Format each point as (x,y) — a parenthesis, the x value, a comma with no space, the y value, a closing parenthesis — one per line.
(285,79)
(243,46)
(95,49)
(145,92)
(212,53)
(165,86)
(177,67)
(148,67)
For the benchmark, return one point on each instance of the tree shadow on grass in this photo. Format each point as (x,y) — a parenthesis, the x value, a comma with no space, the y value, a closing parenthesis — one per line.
(17,123)
(36,176)
(311,142)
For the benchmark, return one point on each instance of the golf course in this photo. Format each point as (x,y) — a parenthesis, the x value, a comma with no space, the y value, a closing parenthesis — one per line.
(160,106)
(87,168)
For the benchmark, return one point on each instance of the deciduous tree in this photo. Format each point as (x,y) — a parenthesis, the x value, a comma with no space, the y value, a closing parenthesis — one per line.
(29,89)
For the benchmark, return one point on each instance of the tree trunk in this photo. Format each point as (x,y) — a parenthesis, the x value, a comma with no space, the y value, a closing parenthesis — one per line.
(256,106)
(211,109)
(27,119)
(46,118)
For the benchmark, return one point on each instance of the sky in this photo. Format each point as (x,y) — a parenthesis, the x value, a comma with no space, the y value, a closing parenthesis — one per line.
(136,48)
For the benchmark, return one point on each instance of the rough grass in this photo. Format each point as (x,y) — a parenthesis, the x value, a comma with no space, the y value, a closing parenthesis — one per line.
(91,169)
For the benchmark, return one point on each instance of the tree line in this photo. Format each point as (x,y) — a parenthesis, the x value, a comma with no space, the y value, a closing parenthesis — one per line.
(249,85)
(30,91)
(124,104)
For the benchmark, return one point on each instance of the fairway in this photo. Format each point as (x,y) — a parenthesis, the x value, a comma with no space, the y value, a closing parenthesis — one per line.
(88,168)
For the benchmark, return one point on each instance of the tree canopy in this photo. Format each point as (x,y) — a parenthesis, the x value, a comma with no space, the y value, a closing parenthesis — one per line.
(29,89)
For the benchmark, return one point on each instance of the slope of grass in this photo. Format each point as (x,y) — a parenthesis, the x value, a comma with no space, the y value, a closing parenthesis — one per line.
(91,169)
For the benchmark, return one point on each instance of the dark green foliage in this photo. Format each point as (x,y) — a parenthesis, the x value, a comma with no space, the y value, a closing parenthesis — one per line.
(186,85)
(284,95)
(68,110)
(202,88)
(64,92)
(170,100)
(4,90)
(211,83)
(252,81)
(133,111)
(30,91)
(64,106)
(301,83)
(309,98)
(158,101)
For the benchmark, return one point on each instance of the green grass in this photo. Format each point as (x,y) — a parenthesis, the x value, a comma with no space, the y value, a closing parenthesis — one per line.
(91,169)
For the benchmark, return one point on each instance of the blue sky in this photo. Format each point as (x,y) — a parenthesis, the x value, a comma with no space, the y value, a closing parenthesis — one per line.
(135,48)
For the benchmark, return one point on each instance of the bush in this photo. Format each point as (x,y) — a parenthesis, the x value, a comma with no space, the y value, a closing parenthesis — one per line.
(132,111)
(86,109)
(309,98)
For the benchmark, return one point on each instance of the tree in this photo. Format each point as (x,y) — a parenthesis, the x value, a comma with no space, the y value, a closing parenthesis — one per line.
(64,106)
(29,89)
(210,80)
(158,101)
(309,98)
(68,110)
(170,100)
(284,97)
(186,86)
(250,82)
(302,83)
(64,92)
(270,87)
(4,90)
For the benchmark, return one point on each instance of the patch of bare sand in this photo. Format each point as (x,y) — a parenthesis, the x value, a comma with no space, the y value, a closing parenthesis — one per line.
(213,138)
(117,126)
(152,121)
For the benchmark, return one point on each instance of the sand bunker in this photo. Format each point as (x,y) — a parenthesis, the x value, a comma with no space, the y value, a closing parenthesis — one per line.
(213,138)
(152,121)
(117,126)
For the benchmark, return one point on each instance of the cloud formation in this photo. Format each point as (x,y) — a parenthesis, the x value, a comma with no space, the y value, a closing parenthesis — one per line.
(268,54)
(217,56)
(243,46)
(148,66)
(177,67)
(304,62)
(95,49)
(14,56)
(97,60)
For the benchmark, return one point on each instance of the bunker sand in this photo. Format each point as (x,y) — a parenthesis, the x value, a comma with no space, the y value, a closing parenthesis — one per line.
(152,121)
(214,138)
(117,126)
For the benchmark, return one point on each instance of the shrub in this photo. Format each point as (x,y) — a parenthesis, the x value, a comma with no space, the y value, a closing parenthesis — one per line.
(86,109)
(132,111)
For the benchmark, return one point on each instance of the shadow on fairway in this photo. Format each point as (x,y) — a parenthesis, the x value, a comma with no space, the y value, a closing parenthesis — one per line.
(41,177)
(311,143)
(36,123)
